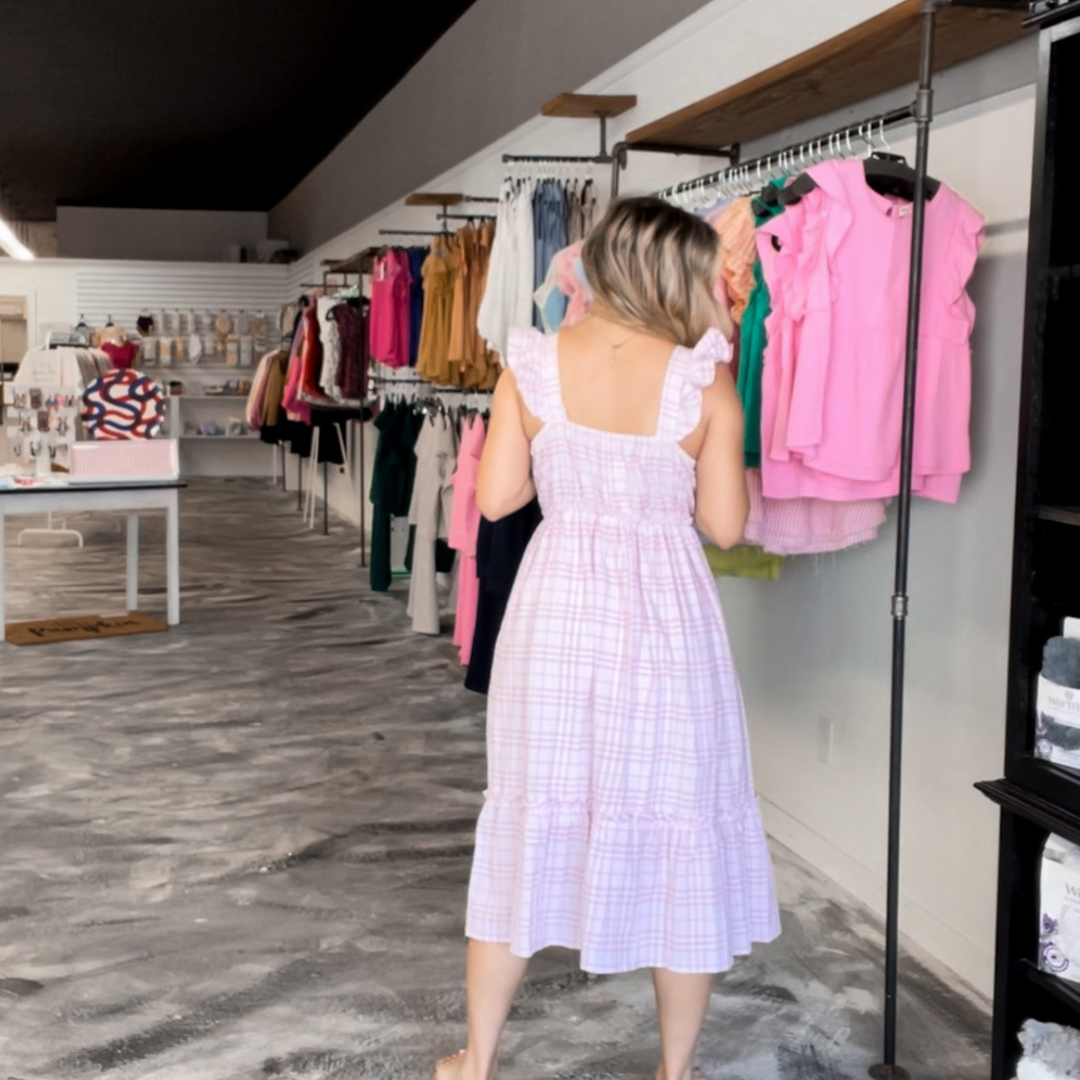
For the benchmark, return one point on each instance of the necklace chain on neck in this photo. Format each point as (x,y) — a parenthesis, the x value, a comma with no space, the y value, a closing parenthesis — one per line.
(615,346)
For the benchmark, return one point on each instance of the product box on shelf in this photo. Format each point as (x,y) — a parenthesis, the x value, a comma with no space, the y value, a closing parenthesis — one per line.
(1057,706)
(1059,907)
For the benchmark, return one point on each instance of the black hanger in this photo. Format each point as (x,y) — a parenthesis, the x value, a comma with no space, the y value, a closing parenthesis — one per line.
(791,193)
(768,197)
(890,174)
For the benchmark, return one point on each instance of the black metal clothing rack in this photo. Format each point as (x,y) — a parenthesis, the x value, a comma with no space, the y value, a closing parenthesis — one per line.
(921,112)
(323,407)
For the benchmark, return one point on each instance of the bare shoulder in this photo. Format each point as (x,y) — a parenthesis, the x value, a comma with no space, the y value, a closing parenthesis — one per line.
(508,406)
(720,400)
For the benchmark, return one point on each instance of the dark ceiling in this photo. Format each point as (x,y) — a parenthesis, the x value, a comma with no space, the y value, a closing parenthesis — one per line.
(192,104)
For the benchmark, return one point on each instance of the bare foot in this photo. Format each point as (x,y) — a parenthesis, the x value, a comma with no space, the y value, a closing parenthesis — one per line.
(458,1068)
(451,1068)
(695,1074)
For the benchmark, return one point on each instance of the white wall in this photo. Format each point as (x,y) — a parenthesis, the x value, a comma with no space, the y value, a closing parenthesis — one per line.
(49,288)
(96,232)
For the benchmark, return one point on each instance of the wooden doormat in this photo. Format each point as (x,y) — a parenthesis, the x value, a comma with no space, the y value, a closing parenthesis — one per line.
(82,628)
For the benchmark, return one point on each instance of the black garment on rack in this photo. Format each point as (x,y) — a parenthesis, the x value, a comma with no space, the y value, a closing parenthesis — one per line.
(296,434)
(500,547)
(330,442)
(392,477)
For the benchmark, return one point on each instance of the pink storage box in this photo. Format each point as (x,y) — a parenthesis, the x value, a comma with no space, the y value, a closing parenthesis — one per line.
(141,459)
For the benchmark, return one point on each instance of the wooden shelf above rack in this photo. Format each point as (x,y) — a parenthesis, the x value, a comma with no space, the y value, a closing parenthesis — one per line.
(356,264)
(871,58)
(588,106)
(434,198)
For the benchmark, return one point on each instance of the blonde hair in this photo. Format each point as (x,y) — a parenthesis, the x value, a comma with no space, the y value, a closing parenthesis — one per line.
(653,266)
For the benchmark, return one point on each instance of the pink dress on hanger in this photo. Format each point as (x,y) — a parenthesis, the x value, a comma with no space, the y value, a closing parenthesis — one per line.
(464,531)
(620,817)
(390,319)
(832,389)
(295,408)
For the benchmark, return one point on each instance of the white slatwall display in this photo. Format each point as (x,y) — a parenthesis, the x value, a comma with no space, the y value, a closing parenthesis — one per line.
(124,290)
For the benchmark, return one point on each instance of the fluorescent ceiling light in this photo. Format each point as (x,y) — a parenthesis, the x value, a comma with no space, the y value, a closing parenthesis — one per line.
(12,244)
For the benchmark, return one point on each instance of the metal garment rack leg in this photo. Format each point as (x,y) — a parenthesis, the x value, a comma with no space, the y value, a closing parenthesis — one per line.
(924,109)
(363,492)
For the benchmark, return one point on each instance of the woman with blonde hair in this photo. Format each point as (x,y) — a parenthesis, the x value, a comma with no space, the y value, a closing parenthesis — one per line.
(620,818)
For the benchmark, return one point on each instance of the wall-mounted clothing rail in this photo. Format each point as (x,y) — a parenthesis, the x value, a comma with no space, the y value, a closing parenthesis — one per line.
(621,151)
(796,153)
(412,232)
(389,380)
(559,159)
(466,217)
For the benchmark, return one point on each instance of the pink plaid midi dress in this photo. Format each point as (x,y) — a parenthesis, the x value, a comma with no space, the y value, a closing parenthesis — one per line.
(620,817)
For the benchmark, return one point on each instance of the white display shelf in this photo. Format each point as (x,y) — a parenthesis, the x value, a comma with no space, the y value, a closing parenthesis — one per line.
(220,438)
(208,397)
(188,368)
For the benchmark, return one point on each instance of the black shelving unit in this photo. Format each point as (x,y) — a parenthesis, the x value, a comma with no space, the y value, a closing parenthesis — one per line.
(1036,797)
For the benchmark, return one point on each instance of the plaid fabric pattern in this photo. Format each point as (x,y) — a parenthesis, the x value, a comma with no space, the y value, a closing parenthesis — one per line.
(620,817)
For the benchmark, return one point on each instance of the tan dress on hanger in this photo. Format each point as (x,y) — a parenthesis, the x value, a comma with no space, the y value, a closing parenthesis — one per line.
(485,364)
(462,320)
(439,270)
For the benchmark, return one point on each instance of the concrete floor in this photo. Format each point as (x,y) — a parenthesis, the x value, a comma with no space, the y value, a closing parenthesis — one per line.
(240,849)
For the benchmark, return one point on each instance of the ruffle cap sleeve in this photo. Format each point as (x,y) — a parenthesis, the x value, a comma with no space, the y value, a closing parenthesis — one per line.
(711,350)
(699,371)
(528,354)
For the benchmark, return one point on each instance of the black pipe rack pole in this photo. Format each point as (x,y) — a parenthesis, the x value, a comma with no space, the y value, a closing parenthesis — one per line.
(924,111)
(363,492)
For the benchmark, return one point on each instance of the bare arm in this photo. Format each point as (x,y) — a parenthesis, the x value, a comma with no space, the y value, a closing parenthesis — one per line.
(722,502)
(505,483)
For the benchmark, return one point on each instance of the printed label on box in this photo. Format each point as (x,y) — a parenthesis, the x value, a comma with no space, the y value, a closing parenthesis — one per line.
(1059,929)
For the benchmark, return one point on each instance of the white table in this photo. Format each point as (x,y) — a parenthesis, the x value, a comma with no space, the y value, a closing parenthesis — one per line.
(84,498)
